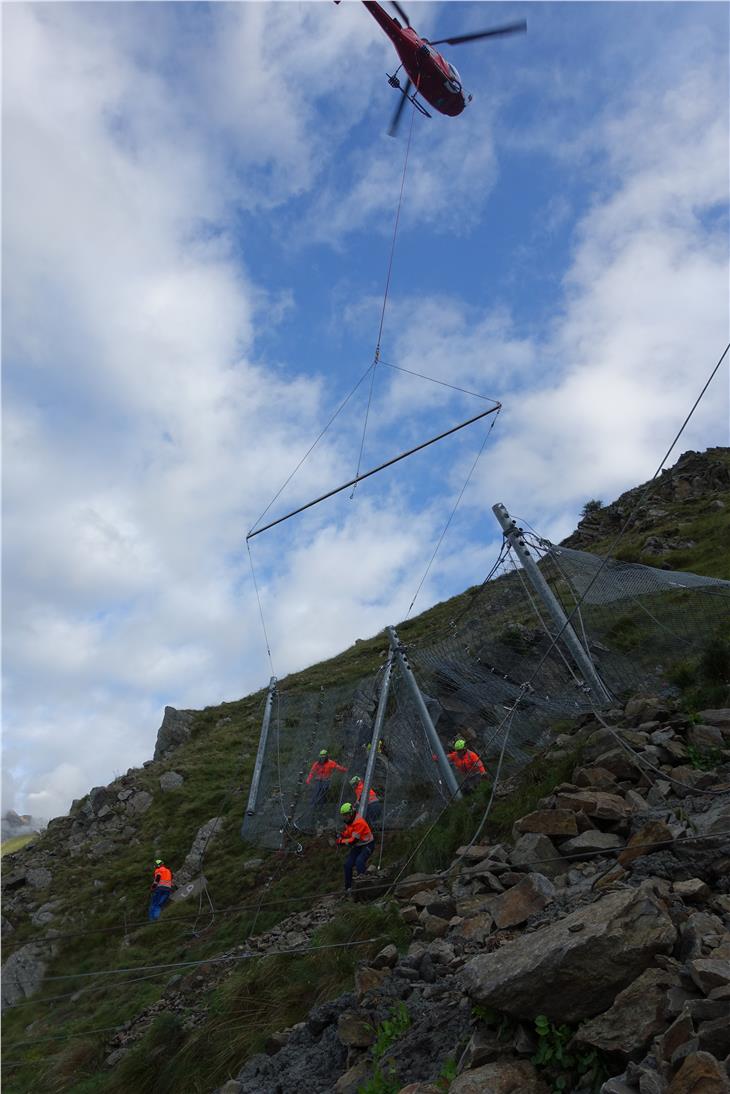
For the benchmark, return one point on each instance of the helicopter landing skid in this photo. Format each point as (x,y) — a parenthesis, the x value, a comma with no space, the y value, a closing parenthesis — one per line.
(395,82)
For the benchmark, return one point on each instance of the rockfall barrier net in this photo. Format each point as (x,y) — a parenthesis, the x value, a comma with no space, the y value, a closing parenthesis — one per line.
(636,621)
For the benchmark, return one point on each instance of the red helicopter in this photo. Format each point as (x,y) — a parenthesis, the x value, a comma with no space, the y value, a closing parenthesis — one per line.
(431,74)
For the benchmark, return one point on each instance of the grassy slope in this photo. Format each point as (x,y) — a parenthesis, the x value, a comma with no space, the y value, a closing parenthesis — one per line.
(16,843)
(98,898)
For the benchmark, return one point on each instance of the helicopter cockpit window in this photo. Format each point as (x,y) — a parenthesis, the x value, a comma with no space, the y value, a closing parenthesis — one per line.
(454,74)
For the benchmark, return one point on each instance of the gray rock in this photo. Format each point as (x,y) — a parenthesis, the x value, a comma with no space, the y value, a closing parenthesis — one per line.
(194,858)
(139,803)
(538,852)
(590,842)
(171,780)
(501,1077)
(573,969)
(45,914)
(637,1014)
(354,1030)
(39,877)
(175,730)
(523,900)
(188,889)
(705,738)
(716,718)
(22,974)
(709,973)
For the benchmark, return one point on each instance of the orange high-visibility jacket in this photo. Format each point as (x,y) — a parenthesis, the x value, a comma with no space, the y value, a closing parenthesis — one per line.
(324,772)
(372,796)
(468,764)
(359,831)
(163,876)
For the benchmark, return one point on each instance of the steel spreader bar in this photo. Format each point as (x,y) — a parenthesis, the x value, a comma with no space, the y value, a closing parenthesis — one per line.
(374,470)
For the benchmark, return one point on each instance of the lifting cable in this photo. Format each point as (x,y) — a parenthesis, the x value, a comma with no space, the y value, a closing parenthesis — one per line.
(453,513)
(376,357)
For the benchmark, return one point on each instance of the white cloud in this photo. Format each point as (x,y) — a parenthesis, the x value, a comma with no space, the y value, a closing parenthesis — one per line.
(141,436)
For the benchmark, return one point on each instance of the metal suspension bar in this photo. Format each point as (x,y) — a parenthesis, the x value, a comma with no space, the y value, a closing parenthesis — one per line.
(258,766)
(434,739)
(569,637)
(374,470)
(379,719)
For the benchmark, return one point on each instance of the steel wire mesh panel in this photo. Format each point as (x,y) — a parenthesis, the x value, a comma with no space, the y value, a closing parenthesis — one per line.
(636,621)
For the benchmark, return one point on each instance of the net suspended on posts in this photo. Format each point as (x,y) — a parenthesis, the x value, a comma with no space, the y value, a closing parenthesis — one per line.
(635,620)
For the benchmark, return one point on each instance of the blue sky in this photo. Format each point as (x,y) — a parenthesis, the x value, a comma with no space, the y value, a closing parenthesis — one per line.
(197,210)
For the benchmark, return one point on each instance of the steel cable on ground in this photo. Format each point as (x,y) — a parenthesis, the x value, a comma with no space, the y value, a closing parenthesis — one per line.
(295,951)
(376,357)
(453,512)
(602,565)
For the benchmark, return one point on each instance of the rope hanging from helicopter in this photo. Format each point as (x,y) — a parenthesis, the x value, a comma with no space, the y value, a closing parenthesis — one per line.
(376,356)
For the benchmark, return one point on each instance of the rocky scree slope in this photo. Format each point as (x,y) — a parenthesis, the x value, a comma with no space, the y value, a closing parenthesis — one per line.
(602,927)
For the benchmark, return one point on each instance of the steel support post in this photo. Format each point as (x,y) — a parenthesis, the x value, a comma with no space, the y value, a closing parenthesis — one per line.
(579,654)
(257,768)
(434,739)
(377,728)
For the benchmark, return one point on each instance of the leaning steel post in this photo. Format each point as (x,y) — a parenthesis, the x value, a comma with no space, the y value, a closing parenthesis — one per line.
(258,766)
(377,728)
(434,739)
(581,657)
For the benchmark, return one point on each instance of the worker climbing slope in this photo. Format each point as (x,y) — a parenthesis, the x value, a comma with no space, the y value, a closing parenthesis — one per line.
(373,811)
(161,889)
(358,836)
(469,768)
(320,774)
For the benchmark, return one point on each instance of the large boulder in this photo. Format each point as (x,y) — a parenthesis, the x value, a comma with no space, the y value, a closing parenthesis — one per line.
(22,974)
(171,780)
(574,968)
(193,864)
(175,730)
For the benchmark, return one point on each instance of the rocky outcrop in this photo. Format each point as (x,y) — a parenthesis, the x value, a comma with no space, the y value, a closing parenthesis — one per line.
(175,730)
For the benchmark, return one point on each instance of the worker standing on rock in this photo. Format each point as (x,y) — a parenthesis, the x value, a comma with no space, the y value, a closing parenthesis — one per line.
(469,768)
(358,836)
(372,813)
(161,889)
(320,774)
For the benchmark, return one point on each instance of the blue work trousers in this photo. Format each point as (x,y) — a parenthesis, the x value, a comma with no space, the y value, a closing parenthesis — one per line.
(358,860)
(321,793)
(373,813)
(158,900)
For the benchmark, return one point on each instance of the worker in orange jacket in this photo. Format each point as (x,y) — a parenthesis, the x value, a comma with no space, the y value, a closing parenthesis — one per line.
(469,768)
(161,889)
(373,809)
(320,774)
(358,836)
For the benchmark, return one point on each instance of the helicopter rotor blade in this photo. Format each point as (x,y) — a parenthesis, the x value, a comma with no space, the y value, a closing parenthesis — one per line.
(399,109)
(401,13)
(510,28)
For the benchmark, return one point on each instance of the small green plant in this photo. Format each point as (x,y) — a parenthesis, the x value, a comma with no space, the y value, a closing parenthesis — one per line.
(447,1073)
(704,759)
(564,1069)
(385,1080)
